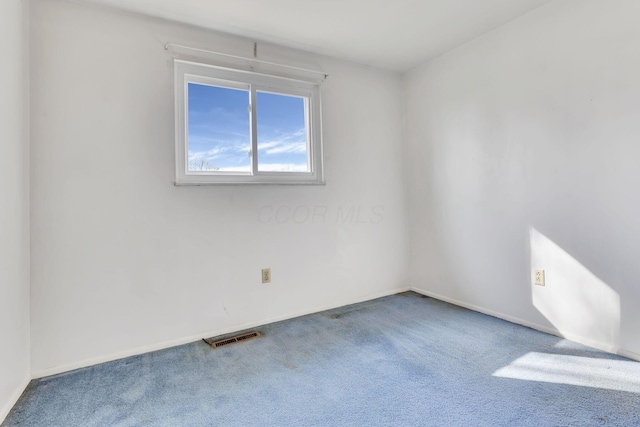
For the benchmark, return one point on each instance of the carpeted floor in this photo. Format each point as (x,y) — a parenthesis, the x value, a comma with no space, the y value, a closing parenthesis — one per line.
(403,360)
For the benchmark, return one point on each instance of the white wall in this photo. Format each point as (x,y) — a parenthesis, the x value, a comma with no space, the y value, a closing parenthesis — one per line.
(523,153)
(123,261)
(14,204)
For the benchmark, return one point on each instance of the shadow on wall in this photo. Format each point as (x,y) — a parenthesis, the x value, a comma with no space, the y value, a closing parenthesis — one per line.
(577,303)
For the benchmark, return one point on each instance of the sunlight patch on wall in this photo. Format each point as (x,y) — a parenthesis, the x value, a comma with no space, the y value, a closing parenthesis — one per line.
(578,304)
(607,374)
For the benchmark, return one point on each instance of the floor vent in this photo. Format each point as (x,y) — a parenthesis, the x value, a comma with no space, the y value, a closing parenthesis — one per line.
(234,340)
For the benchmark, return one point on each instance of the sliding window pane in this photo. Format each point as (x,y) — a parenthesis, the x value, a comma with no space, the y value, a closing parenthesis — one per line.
(218,129)
(283,134)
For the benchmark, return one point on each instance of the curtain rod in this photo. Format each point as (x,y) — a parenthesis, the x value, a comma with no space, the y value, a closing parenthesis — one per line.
(168,45)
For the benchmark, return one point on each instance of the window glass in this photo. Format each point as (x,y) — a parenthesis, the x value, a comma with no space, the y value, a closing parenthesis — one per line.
(218,129)
(282,133)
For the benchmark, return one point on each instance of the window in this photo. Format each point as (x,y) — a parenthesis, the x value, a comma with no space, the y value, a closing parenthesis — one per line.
(239,127)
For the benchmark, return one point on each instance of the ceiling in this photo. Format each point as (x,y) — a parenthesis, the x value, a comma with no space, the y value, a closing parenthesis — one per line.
(391,34)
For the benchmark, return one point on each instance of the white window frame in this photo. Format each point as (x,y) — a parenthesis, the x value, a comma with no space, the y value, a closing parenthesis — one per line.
(191,72)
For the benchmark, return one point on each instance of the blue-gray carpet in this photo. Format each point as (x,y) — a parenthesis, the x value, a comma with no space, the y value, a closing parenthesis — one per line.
(403,360)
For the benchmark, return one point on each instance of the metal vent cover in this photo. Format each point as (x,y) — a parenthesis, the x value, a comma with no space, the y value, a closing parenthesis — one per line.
(234,340)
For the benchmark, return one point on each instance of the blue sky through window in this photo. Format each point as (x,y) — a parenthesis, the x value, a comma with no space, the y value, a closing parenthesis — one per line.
(282,133)
(219,131)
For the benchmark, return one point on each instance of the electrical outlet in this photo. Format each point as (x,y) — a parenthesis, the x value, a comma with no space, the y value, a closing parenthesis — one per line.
(266,275)
(538,277)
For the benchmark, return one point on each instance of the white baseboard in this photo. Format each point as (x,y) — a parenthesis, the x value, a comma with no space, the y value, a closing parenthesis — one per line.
(193,338)
(13,400)
(628,354)
(546,329)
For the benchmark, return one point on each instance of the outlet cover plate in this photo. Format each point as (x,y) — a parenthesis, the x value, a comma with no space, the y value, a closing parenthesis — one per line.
(538,276)
(266,275)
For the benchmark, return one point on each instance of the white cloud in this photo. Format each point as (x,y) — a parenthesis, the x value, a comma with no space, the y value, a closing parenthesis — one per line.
(295,147)
(267,145)
(294,142)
